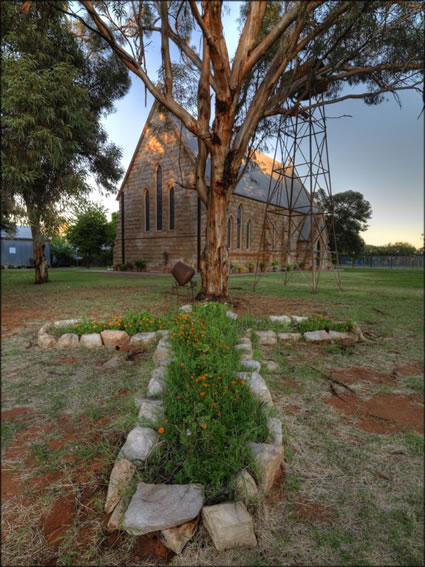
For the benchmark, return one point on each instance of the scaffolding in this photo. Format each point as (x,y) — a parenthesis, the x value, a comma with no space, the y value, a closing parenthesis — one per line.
(295,229)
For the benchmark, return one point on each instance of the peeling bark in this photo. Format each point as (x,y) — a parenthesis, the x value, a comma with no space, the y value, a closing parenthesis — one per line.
(40,262)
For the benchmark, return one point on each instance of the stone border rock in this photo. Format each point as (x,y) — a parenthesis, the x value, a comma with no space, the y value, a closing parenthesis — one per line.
(229,524)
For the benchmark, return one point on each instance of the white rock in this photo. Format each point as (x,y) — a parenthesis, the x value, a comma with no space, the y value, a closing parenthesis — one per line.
(271,365)
(45,329)
(46,341)
(246,488)
(113,362)
(229,525)
(115,521)
(151,411)
(258,386)
(269,458)
(280,318)
(68,340)
(343,338)
(120,478)
(245,341)
(319,337)
(186,308)
(91,340)
(162,506)
(231,315)
(65,323)
(157,383)
(139,444)
(143,339)
(164,362)
(162,350)
(176,538)
(297,319)
(275,431)
(246,356)
(290,337)
(251,364)
(266,337)
(244,346)
(163,333)
(115,338)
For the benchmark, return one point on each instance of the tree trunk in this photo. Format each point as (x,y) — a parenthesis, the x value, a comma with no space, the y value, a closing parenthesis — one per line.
(40,262)
(215,257)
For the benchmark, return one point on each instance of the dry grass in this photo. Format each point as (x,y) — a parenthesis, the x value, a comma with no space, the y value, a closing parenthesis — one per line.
(349,497)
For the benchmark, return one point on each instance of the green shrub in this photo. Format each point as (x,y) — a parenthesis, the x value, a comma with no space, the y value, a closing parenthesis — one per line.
(319,322)
(140,264)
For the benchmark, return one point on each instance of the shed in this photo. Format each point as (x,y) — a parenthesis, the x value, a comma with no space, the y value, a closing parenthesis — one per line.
(18,250)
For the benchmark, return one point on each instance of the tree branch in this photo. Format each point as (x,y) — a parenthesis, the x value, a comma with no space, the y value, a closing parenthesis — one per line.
(165,49)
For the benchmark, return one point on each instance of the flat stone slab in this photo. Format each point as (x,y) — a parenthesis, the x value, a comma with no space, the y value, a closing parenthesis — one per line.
(297,319)
(162,506)
(121,475)
(229,525)
(269,459)
(318,337)
(151,411)
(139,444)
(343,338)
(91,340)
(115,338)
(290,337)
(246,356)
(280,319)
(162,350)
(115,521)
(266,337)
(244,346)
(46,341)
(245,341)
(258,386)
(157,383)
(176,538)
(143,339)
(251,365)
(68,340)
(275,431)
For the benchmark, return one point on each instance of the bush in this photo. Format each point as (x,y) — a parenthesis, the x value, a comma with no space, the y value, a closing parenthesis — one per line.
(319,322)
(140,264)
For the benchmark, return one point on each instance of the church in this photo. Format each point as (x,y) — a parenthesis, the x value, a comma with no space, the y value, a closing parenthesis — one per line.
(162,222)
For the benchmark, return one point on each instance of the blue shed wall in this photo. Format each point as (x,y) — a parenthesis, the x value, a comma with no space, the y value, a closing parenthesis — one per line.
(23,252)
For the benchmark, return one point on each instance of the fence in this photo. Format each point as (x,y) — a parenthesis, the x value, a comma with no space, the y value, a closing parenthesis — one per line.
(383,261)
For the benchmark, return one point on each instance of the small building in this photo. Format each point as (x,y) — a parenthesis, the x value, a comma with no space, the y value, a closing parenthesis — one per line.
(18,249)
(162,222)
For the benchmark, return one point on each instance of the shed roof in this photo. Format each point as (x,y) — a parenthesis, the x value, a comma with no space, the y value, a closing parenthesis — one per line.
(22,233)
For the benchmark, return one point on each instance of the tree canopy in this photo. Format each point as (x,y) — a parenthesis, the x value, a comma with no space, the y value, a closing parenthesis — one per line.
(55,89)
(90,232)
(290,57)
(347,215)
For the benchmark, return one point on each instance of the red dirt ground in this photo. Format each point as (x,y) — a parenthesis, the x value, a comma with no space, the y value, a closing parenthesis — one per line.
(84,482)
(383,413)
(357,374)
(308,510)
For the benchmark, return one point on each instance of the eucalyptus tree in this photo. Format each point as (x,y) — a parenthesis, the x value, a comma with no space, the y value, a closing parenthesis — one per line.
(287,51)
(57,82)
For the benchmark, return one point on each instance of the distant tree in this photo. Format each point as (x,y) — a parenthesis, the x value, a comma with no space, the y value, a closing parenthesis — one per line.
(350,215)
(61,251)
(90,232)
(55,90)
(420,250)
(112,228)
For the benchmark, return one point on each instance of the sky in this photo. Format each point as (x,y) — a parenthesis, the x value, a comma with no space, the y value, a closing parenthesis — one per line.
(377,151)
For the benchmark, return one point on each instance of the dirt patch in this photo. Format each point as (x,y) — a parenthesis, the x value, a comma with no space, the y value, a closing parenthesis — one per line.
(414,369)
(290,384)
(257,305)
(383,413)
(60,520)
(358,374)
(308,510)
(291,409)
(69,360)
(16,412)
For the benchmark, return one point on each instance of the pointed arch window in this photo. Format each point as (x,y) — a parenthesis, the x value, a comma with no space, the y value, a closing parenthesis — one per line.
(147,212)
(248,234)
(229,232)
(238,226)
(159,198)
(171,208)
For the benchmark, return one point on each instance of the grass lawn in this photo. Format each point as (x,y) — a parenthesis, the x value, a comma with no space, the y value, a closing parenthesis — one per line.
(352,492)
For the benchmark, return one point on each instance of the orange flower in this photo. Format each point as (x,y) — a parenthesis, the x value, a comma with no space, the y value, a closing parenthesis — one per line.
(204,426)
(242,382)
(161,430)
(202,394)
